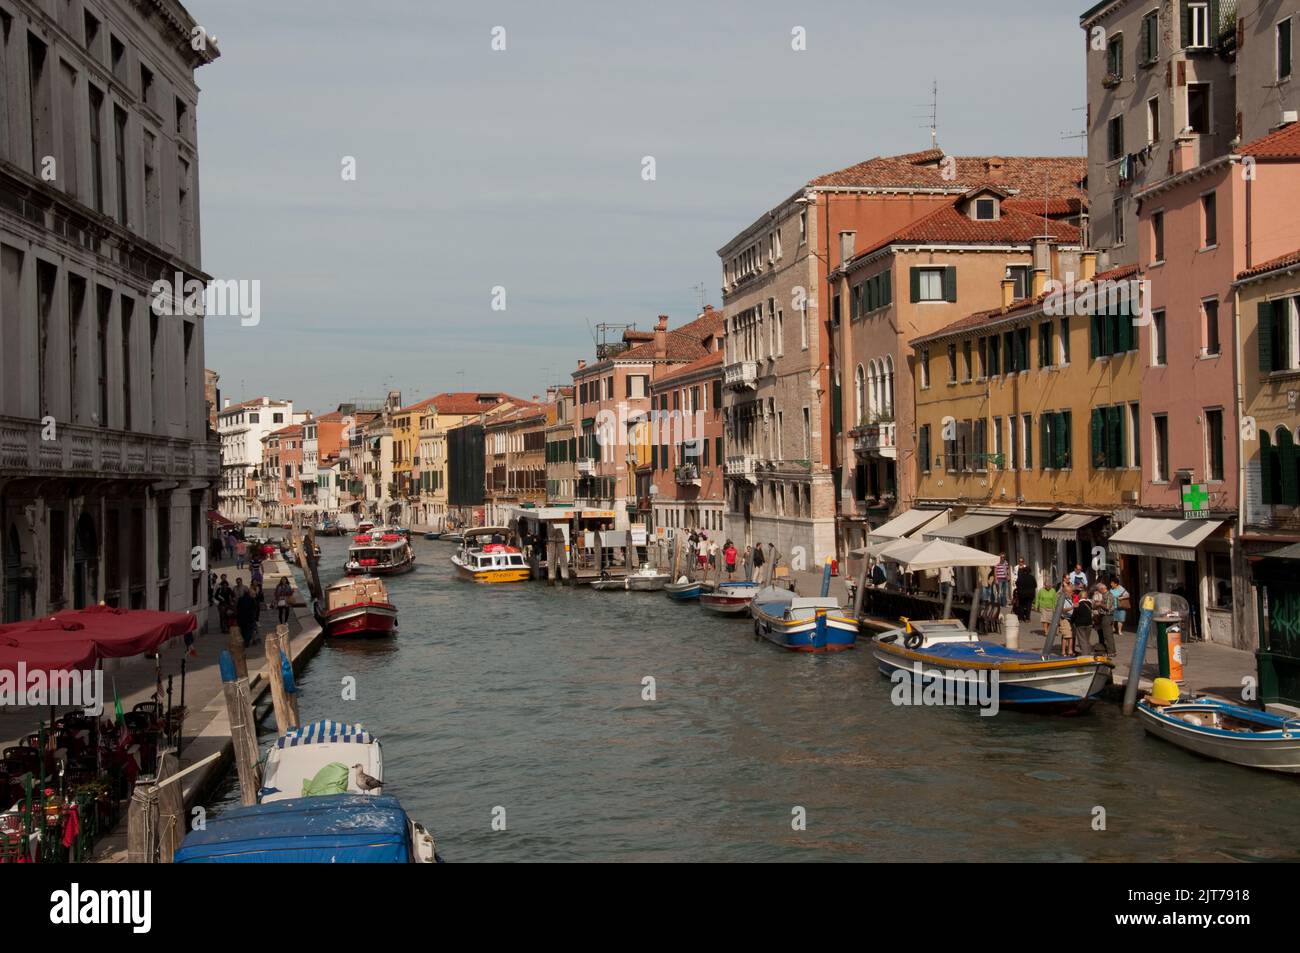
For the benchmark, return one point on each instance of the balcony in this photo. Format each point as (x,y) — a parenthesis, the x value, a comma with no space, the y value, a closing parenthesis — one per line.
(876,440)
(688,474)
(743,375)
(98,452)
(743,466)
(586,466)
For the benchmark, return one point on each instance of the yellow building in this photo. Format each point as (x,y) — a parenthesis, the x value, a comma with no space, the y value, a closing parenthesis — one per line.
(1025,423)
(438,415)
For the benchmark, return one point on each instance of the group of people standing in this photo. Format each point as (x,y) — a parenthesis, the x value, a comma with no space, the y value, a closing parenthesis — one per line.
(1092,608)
(706,555)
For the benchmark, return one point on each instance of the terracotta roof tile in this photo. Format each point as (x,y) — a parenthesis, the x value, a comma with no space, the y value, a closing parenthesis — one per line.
(1282,144)
(710,359)
(1029,176)
(1281,261)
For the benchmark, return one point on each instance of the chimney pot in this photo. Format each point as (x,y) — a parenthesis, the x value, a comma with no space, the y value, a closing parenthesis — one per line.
(1087,265)
(1008,291)
(662,324)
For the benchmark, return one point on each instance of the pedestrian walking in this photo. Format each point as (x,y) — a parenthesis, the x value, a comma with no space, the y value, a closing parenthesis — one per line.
(1002,576)
(758,562)
(1045,604)
(282,593)
(241,554)
(748,562)
(729,557)
(225,600)
(947,579)
(1103,611)
(246,616)
(713,555)
(1123,602)
(1026,590)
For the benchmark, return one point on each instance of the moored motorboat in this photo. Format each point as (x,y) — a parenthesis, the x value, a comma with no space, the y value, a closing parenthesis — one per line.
(490,562)
(947,660)
(802,623)
(358,606)
(433,535)
(379,553)
(732,598)
(609,585)
(329,829)
(299,758)
(646,579)
(687,590)
(1219,729)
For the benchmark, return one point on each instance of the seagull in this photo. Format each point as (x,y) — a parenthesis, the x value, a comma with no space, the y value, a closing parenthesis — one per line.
(365,781)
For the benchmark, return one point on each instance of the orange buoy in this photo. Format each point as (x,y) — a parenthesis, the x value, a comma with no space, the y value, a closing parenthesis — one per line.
(1174,636)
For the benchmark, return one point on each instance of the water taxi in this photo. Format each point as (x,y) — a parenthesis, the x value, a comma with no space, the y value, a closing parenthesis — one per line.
(358,607)
(802,624)
(946,657)
(379,553)
(485,556)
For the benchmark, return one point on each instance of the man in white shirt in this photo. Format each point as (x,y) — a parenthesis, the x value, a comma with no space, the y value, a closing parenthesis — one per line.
(1079,578)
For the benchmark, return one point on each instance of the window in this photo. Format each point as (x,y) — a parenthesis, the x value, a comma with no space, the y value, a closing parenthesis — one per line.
(1160,439)
(1209,222)
(1117,220)
(1115,138)
(952,363)
(1284,50)
(182,117)
(1015,347)
(117,56)
(968,364)
(803,226)
(803,326)
(1115,56)
(923,447)
(96,148)
(1153,119)
(1210,308)
(1027,423)
(924,366)
(1013,442)
(1055,440)
(992,362)
(1214,444)
(932,284)
(1196,24)
(1111,331)
(780,338)
(1065,340)
(807,434)
(119,161)
(1019,274)
(146,85)
(1135,442)
(1277,333)
(985,210)
(1149,48)
(835,311)
(1045,344)
(1198,107)
(1157,237)
(1107,437)
(92,31)
(1159,356)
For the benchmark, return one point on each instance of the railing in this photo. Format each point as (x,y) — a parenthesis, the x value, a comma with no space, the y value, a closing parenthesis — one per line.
(878,439)
(95,451)
(742,465)
(741,375)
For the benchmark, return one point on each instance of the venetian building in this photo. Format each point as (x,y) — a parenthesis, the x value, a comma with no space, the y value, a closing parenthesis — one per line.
(105,460)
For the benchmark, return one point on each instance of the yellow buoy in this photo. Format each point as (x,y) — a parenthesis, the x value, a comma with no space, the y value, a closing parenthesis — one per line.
(1164,691)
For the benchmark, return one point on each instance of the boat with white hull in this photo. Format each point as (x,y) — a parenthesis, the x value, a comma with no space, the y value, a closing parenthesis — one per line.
(1219,729)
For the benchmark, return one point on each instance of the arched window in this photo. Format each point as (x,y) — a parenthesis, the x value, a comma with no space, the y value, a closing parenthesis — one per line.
(889,385)
(859,395)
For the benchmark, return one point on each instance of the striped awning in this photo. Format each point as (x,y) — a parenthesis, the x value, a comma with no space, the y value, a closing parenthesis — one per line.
(325,732)
(904,524)
(1067,525)
(970,525)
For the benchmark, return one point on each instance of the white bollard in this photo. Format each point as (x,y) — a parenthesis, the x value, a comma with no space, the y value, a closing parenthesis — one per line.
(1011,628)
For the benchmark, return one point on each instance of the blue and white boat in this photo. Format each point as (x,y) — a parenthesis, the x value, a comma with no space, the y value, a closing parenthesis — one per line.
(1220,729)
(802,624)
(687,590)
(332,829)
(730,598)
(944,659)
(297,756)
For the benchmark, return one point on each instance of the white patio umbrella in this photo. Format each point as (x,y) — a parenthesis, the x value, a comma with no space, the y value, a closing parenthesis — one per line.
(933,554)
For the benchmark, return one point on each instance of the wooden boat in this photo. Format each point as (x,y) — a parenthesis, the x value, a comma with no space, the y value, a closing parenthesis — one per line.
(490,562)
(297,756)
(433,535)
(330,829)
(609,585)
(802,624)
(379,554)
(646,579)
(1219,729)
(732,598)
(941,655)
(687,590)
(358,606)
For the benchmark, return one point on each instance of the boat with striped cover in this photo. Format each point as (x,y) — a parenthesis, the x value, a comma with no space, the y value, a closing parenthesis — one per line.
(941,654)
(300,753)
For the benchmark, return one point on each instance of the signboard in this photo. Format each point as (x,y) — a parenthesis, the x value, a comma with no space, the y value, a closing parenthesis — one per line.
(638,534)
(1196,501)
(597,514)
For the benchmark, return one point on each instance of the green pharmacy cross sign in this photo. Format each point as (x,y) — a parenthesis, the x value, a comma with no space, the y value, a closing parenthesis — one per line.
(1196,501)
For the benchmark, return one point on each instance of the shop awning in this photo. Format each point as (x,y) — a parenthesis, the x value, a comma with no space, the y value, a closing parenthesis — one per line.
(216,519)
(906,523)
(1067,525)
(115,633)
(963,529)
(1163,539)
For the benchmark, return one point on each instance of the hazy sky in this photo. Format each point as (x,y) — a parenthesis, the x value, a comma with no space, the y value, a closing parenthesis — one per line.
(522,168)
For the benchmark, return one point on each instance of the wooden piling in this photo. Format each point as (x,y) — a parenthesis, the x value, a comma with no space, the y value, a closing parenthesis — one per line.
(243,729)
(142,825)
(235,643)
(275,677)
(171,808)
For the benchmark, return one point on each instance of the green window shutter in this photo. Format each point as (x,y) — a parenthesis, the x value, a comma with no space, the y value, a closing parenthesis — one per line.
(1045,439)
(1098,439)
(1265,471)
(1029,441)
(1061,440)
(717,450)
(887,295)
(1265,334)
(1094,337)
(1115,448)
(950,283)
(654,457)
(1186,22)
(915,274)
(1287,457)
(705,450)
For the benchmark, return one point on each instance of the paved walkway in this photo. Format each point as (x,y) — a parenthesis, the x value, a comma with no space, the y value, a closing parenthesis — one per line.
(207,728)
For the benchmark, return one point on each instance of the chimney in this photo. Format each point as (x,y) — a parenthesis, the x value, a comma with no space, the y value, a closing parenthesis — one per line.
(993,168)
(1087,265)
(1008,289)
(846,246)
(661,337)
(1042,246)
(226,404)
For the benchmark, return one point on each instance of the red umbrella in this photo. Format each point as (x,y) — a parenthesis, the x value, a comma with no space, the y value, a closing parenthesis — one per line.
(63,655)
(114,633)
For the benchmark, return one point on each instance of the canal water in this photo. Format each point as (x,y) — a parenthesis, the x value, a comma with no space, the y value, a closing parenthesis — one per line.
(529,699)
